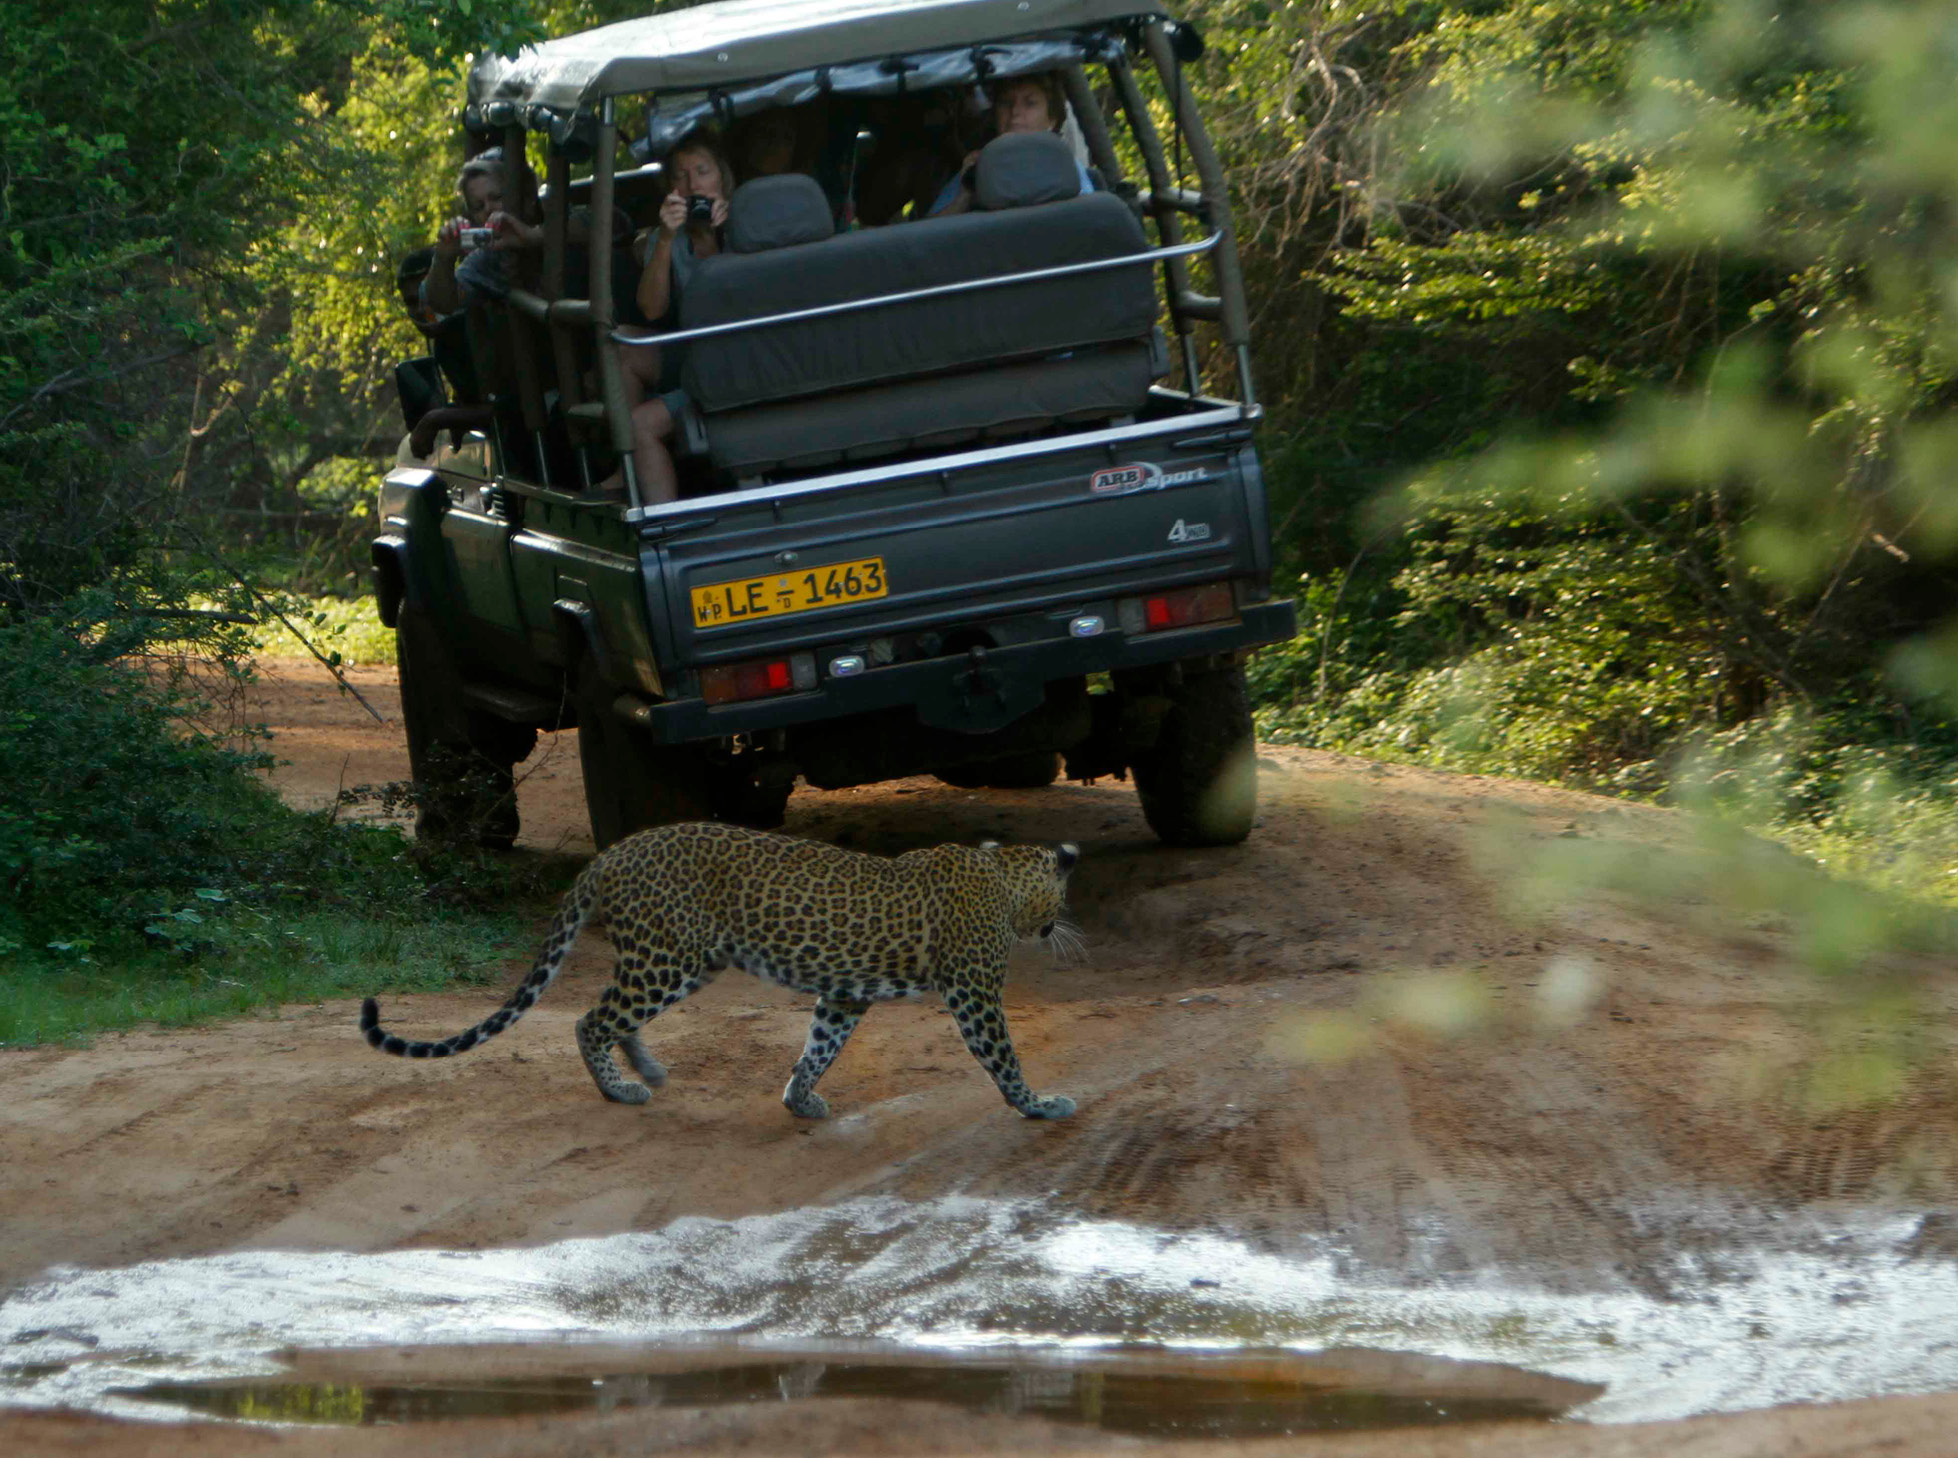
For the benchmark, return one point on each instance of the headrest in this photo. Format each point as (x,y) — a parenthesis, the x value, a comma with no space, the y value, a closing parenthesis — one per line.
(777,212)
(1024,168)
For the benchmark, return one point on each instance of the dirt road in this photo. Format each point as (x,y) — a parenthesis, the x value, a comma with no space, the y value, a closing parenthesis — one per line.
(1344,1036)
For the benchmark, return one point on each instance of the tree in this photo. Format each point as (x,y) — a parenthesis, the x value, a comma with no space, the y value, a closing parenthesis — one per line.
(158,165)
(1657,298)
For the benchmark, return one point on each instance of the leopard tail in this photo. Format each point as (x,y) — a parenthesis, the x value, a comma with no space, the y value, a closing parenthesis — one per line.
(572,913)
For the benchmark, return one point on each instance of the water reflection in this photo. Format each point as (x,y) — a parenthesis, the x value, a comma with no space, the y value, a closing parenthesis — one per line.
(1261,1395)
(1751,1311)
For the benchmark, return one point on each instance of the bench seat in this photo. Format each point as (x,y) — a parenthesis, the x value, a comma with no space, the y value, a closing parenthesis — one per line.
(898,377)
(998,403)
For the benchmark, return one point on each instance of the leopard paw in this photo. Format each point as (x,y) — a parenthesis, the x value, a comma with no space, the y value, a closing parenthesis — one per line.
(809,1106)
(643,1063)
(1056,1107)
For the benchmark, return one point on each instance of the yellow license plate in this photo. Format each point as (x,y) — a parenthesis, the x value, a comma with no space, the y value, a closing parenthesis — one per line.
(723,603)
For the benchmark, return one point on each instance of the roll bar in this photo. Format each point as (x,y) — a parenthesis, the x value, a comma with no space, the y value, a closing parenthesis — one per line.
(908,296)
(1164,199)
(1232,315)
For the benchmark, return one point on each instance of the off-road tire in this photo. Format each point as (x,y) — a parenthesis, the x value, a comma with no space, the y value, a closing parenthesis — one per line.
(631,780)
(1033,770)
(462,761)
(1199,782)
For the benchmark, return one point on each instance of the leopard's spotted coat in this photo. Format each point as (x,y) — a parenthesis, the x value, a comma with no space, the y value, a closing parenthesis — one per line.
(682,903)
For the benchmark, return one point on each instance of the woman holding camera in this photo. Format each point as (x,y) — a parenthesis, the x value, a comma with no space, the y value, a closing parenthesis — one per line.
(486,236)
(690,221)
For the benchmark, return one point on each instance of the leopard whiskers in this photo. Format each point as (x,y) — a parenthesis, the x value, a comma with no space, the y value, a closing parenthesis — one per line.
(1067,942)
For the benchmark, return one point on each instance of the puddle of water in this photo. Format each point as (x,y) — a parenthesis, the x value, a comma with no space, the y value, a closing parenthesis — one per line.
(1779,1310)
(1227,1397)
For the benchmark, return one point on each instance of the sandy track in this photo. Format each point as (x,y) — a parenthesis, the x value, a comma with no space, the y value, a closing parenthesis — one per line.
(1535,1150)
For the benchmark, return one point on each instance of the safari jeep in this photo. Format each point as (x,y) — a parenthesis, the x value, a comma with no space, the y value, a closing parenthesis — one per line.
(954,499)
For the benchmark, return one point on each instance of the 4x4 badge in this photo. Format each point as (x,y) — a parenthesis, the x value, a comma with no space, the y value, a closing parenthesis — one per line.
(1137,476)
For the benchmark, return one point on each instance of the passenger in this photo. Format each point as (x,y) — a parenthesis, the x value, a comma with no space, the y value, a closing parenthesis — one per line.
(487,200)
(409,276)
(699,171)
(687,232)
(769,145)
(1022,104)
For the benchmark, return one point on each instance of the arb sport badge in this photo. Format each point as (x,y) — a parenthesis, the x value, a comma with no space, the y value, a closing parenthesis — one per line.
(1137,476)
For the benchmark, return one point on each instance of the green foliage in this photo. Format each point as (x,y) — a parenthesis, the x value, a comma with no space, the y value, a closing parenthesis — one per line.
(124,792)
(149,874)
(432,31)
(1648,314)
(105,801)
(1562,655)
(349,630)
(181,355)
(197,218)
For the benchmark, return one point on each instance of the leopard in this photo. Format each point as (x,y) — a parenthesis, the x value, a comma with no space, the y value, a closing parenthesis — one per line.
(682,903)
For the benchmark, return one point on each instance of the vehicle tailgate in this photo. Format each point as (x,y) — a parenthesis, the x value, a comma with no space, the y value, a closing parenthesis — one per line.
(767,572)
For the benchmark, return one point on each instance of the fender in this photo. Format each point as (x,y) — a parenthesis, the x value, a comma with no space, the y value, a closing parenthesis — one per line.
(407,555)
(389,555)
(580,637)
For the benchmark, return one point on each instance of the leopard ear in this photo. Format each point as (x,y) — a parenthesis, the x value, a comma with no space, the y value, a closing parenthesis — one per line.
(1065,855)
(988,845)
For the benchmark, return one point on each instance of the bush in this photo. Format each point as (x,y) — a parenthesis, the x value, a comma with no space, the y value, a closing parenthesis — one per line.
(150,875)
(110,798)
(131,821)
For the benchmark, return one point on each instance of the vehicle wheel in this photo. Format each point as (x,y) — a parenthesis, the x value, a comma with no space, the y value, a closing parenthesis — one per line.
(1199,783)
(632,781)
(1030,771)
(461,760)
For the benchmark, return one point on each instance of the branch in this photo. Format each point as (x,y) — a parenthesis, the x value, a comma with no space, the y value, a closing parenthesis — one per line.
(209,615)
(62,383)
(171,32)
(294,516)
(251,588)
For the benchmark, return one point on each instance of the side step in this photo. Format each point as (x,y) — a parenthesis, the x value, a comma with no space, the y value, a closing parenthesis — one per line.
(518,706)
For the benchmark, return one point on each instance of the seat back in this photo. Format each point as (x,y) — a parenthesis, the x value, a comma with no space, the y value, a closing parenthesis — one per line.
(927,371)
(928,336)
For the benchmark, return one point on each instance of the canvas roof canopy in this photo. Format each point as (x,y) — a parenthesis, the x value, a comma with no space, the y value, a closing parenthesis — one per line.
(709,47)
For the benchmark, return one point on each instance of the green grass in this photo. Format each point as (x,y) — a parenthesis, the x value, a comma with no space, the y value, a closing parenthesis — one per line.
(252,959)
(349,626)
(151,876)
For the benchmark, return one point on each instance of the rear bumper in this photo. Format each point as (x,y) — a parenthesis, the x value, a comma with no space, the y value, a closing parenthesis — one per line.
(961,695)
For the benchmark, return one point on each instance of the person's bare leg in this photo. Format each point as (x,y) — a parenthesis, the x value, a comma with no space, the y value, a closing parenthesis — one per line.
(639,363)
(639,366)
(652,424)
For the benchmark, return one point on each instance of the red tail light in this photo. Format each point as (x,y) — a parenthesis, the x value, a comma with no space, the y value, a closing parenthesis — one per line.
(1191,605)
(730,683)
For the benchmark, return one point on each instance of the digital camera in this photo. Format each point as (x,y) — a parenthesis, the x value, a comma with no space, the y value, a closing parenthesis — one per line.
(700,209)
(473,238)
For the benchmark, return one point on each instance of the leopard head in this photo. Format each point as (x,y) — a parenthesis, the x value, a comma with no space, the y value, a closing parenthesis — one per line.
(1036,886)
